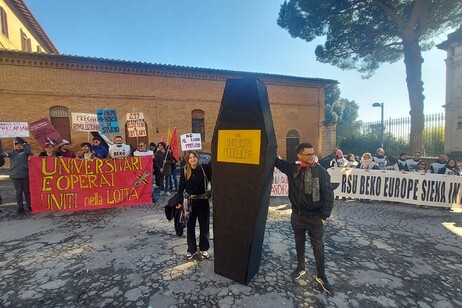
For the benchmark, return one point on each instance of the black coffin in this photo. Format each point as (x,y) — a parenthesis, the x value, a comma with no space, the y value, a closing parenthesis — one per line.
(244,150)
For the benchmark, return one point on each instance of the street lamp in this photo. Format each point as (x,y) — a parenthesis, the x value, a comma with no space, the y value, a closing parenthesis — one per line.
(382,127)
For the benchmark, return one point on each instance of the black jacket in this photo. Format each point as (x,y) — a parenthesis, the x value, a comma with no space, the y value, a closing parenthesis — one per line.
(302,203)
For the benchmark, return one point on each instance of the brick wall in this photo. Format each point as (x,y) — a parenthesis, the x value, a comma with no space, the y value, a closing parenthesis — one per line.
(31,84)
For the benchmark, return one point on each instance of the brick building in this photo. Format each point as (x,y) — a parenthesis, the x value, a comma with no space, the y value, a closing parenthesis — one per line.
(40,83)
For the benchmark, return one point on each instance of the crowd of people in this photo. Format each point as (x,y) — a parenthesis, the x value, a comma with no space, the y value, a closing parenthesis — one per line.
(164,163)
(443,165)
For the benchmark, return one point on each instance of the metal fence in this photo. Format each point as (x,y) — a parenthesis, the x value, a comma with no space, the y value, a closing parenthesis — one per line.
(397,132)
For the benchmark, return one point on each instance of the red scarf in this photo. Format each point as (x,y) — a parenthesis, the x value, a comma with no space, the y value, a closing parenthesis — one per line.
(303,165)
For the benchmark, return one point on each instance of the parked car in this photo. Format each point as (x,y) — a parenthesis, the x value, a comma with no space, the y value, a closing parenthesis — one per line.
(205,158)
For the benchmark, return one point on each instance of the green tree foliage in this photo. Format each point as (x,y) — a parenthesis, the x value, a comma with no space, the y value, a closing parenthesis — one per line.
(363,34)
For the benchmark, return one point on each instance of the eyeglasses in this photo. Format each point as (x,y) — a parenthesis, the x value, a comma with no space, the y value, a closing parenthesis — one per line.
(141,145)
(311,154)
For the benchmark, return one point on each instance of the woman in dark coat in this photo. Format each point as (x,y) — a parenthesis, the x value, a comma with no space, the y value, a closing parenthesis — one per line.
(194,180)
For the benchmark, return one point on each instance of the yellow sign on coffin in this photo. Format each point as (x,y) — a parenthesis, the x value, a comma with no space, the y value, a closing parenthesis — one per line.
(239,146)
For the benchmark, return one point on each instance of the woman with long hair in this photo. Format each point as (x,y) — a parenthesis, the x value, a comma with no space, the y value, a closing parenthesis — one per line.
(194,179)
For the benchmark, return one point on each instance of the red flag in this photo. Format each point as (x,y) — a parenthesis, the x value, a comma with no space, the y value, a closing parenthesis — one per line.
(174,145)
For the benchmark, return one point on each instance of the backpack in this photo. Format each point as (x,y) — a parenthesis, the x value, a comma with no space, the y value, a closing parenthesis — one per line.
(2,161)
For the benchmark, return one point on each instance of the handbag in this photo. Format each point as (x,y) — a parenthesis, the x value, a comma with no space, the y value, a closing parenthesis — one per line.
(207,185)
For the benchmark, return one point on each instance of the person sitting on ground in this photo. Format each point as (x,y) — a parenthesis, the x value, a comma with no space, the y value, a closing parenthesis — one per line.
(49,151)
(352,163)
(380,159)
(402,162)
(65,150)
(339,160)
(98,148)
(86,152)
(450,168)
(367,163)
(412,162)
(440,163)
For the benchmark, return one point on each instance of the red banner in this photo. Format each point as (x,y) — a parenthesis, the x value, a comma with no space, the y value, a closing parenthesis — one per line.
(66,184)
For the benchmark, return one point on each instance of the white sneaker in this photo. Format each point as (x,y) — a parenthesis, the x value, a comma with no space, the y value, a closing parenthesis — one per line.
(161,193)
(168,193)
(204,255)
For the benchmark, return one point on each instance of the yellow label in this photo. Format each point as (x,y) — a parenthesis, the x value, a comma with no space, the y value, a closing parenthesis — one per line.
(239,146)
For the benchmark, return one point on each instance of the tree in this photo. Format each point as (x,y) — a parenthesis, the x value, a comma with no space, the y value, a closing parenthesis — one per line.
(362,34)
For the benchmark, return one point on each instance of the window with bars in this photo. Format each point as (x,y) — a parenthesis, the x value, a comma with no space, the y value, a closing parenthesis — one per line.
(3,21)
(197,116)
(59,117)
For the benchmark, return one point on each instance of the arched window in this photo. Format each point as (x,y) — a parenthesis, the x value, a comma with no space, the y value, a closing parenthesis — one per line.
(292,140)
(197,116)
(26,43)
(3,21)
(59,117)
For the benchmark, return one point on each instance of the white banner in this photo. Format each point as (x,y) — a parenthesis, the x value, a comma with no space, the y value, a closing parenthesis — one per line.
(191,142)
(14,129)
(85,122)
(136,126)
(408,187)
(280,186)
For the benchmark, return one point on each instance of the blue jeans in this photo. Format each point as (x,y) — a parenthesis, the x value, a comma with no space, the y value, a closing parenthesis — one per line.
(315,228)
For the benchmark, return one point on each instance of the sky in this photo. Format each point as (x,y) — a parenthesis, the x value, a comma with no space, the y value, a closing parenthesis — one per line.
(238,35)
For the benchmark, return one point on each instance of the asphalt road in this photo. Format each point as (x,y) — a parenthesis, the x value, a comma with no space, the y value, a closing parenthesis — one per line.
(378,255)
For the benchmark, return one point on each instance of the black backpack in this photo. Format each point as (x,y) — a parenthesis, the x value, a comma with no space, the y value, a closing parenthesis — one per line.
(2,161)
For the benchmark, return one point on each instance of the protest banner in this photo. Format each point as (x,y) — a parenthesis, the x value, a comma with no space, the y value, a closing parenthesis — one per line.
(280,186)
(408,187)
(67,184)
(44,132)
(191,142)
(136,126)
(14,129)
(85,122)
(108,121)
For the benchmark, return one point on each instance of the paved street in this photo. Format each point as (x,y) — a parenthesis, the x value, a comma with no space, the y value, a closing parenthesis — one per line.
(378,255)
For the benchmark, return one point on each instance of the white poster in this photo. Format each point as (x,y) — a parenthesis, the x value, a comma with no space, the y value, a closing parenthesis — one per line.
(14,129)
(85,122)
(136,126)
(191,142)
(280,186)
(407,187)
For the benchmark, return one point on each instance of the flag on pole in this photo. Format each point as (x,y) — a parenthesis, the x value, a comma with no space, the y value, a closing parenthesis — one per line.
(174,145)
(169,136)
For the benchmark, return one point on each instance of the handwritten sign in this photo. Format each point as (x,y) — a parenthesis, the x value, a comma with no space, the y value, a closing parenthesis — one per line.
(67,184)
(191,142)
(239,146)
(44,132)
(411,187)
(280,186)
(108,121)
(85,122)
(136,126)
(14,129)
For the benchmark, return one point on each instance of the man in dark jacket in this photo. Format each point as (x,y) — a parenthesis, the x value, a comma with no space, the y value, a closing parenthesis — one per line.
(19,171)
(312,199)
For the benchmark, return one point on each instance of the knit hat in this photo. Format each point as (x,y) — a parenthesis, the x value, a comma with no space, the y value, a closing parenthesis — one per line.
(339,153)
